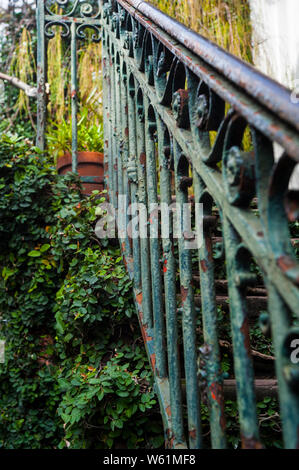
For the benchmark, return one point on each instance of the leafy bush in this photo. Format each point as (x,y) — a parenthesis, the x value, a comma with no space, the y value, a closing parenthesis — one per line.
(75,372)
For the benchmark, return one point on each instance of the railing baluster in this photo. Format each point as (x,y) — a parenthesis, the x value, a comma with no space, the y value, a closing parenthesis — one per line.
(289,399)
(110,120)
(118,132)
(74,97)
(125,154)
(155,255)
(243,367)
(132,174)
(115,148)
(169,269)
(188,322)
(214,378)
(143,222)
(106,103)
(41,75)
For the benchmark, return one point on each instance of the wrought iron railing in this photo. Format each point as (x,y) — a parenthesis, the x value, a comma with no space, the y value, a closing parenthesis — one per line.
(187,122)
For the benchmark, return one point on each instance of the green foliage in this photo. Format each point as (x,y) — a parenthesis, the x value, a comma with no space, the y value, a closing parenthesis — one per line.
(268,419)
(90,135)
(269,423)
(104,394)
(17,51)
(226,22)
(75,372)
(29,393)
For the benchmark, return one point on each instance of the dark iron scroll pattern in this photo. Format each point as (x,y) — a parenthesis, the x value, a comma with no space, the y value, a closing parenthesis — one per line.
(73,19)
(85,15)
(75,9)
(172,121)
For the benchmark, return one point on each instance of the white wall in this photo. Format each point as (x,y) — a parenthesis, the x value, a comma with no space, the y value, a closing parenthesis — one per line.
(275,26)
(276,38)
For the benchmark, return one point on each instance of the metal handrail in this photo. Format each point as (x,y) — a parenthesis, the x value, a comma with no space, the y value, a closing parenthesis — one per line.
(262,88)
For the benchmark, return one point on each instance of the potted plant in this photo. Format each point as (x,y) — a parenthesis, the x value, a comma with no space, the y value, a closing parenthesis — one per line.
(90,148)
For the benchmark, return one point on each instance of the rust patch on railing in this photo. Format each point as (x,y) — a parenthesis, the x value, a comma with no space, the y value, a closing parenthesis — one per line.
(245,332)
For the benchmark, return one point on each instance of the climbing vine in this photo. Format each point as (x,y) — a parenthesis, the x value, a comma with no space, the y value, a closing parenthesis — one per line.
(75,372)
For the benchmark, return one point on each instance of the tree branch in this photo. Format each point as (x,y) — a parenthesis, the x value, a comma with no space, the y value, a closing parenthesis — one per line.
(29,90)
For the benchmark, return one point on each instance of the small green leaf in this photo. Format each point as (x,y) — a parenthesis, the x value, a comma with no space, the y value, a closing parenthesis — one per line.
(122,394)
(45,247)
(34,253)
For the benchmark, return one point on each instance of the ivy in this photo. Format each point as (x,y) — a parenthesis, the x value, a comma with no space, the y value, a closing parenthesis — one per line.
(75,372)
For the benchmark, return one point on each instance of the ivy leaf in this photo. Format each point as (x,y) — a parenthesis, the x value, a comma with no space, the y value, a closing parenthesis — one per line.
(45,247)
(119,423)
(59,323)
(122,394)
(34,253)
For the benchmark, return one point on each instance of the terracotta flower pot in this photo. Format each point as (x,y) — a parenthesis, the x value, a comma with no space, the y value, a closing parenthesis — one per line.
(89,164)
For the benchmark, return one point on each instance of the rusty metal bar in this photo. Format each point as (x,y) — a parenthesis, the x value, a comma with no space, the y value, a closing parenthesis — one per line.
(105,67)
(169,273)
(154,242)
(41,75)
(187,297)
(132,177)
(74,97)
(143,221)
(212,373)
(124,143)
(239,277)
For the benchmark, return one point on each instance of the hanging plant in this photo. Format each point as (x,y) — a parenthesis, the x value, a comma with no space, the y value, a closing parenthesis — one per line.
(57,78)
(23,67)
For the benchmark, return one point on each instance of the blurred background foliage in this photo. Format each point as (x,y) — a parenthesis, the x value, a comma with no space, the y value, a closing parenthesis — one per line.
(226,22)
(17,58)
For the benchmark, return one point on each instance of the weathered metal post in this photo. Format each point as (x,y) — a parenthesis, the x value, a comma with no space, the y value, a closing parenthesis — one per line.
(41,74)
(74,96)
(73,20)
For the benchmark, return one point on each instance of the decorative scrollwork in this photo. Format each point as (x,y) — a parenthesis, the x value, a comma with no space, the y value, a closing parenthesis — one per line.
(277,220)
(86,9)
(238,166)
(180,108)
(132,170)
(83,9)
(238,175)
(215,108)
(49,33)
(81,35)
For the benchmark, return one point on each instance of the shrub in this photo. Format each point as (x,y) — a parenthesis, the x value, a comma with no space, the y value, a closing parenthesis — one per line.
(75,372)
